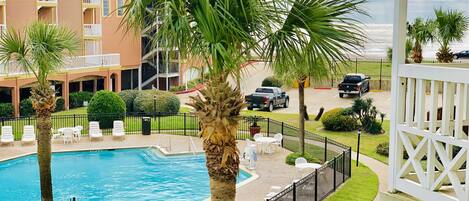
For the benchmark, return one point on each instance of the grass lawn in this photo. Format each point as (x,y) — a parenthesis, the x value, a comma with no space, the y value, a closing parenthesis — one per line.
(368,142)
(362,186)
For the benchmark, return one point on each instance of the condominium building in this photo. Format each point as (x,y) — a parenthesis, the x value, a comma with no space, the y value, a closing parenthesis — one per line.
(110,58)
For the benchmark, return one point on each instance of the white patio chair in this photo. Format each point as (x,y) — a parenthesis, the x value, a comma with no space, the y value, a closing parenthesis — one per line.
(257,136)
(68,135)
(77,133)
(118,130)
(55,134)
(279,138)
(29,136)
(7,135)
(95,132)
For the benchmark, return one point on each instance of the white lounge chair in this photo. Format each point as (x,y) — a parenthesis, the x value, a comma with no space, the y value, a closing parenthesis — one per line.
(68,135)
(118,130)
(29,136)
(7,135)
(94,131)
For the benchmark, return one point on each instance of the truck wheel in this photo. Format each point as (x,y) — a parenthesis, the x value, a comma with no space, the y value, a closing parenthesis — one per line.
(286,103)
(249,108)
(271,107)
(341,95)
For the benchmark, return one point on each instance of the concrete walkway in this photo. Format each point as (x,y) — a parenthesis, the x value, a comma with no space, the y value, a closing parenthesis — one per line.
(378,167)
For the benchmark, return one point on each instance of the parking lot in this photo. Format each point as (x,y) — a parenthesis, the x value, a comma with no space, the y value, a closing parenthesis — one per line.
(314,98)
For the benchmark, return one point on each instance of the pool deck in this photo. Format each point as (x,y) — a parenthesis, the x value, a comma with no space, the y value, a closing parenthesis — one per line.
(271,169)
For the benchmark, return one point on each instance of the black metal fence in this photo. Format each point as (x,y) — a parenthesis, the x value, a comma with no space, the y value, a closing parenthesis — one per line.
(336,157)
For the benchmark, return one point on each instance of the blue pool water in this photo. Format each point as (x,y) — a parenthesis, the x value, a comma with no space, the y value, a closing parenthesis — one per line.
(128,174)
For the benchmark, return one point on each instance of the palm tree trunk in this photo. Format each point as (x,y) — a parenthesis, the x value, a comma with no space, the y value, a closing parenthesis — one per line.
(417,53)
(301,96)
(44,104)
(219,112)
(222,176)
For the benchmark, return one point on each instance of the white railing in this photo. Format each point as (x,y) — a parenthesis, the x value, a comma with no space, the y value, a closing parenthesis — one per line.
(73,63)
(432,126)
(92,30)
(92,1)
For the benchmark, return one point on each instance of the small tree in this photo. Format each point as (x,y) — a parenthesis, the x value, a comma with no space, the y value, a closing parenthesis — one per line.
(451,26)
(421,32)
(367,114)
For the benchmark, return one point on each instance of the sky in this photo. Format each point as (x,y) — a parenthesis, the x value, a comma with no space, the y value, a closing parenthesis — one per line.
(381,11)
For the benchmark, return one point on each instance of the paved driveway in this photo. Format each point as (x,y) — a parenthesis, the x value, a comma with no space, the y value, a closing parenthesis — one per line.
(314,98)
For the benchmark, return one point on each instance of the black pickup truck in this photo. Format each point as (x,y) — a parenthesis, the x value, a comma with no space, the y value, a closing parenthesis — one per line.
(354,84)
(267,98)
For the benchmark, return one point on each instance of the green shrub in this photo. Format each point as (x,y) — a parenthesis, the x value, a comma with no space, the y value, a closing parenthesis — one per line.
(128,96)
(338,119)
(106,107)
(290,160)
(77,98)
(367,114)
(6,110)
(26,108)
(383,149)
(272,82)
(374,127)
(59,104)
(166,102)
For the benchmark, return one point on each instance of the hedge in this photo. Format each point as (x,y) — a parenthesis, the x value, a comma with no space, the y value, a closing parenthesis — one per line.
(26,108)
(6,110)
(77,98)
(339,119)
(102,105)
(166,102)
(59,104)
(272,82)
(128,96)
(383,149)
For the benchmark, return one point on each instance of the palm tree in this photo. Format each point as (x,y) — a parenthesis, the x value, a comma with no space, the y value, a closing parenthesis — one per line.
(421,32)
(314,37)
(40,50)
(224,33)
(451,25)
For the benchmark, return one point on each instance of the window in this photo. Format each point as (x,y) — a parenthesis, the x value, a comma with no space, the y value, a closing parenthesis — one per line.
(105,7)
(120,10)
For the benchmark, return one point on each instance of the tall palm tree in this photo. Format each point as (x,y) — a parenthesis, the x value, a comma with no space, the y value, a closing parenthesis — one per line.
(40,50)
(224,33)
(421,32)
(315,36)
(451,25)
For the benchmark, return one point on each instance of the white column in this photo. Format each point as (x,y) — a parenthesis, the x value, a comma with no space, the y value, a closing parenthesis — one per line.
(140,76)
(399,38)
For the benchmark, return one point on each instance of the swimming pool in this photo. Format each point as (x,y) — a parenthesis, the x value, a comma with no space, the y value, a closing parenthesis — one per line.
(126,174)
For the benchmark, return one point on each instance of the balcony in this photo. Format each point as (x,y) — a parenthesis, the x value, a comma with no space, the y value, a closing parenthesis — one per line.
(46,3)
(72,63)
(92,30)
(91,3)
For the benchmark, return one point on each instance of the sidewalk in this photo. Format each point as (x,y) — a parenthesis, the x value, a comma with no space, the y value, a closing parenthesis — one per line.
(378,167)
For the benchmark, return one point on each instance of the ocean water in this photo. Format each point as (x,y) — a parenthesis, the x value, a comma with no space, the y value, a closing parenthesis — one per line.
(128,174)
(378,25)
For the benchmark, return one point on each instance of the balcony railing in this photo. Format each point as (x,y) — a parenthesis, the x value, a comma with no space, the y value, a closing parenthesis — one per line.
(92,30)
(92,1)
(73,63)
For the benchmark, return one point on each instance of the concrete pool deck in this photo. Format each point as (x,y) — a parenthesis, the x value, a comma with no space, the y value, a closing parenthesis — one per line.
(271,169)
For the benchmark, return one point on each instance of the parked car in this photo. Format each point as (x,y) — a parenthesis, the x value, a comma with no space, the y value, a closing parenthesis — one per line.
(267,98)
(461,55)
(354,84)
